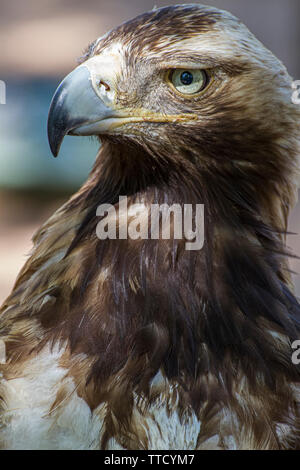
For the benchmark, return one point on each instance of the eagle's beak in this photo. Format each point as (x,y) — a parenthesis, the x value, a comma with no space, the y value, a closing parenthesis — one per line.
(74,109)
(84,104)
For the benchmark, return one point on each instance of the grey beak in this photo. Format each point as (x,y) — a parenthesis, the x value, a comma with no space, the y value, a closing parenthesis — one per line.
(75,104)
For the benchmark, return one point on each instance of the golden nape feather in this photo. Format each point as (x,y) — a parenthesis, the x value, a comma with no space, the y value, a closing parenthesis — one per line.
(139,342)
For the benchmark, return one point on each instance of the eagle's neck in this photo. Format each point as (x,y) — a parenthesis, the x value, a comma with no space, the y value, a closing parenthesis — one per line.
(243,261)
(206,319)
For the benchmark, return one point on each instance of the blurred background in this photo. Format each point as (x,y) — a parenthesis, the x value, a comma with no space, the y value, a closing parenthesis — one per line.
(40,42)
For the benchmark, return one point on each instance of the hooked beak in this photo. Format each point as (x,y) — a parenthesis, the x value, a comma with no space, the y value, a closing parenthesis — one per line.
(74,108)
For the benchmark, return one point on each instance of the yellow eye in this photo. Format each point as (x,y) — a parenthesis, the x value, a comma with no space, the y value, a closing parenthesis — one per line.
(189,81)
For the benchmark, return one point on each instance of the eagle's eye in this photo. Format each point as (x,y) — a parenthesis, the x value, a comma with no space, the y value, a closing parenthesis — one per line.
(190,81)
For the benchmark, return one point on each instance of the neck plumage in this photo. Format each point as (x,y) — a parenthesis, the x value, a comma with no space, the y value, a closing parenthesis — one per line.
(242,269)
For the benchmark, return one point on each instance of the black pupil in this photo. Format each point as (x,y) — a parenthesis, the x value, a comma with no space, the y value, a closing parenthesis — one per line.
(186,78)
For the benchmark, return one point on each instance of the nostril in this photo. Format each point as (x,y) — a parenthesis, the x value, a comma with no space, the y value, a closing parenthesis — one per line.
(106,86)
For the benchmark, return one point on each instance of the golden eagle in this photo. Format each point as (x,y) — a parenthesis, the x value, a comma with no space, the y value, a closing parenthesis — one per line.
(124,343)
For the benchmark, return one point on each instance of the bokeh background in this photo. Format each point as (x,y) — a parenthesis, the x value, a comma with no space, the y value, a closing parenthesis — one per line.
(40,42)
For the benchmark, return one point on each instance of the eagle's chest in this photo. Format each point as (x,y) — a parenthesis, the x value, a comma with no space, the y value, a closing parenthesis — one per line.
(34,418)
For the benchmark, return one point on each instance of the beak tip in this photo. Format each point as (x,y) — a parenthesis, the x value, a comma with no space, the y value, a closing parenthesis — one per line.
(57,126)
(74,104)
(55,135)
(53,144)
(54,154)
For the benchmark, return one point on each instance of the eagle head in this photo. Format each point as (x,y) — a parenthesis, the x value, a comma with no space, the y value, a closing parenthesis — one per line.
(193,88)
(185,79)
